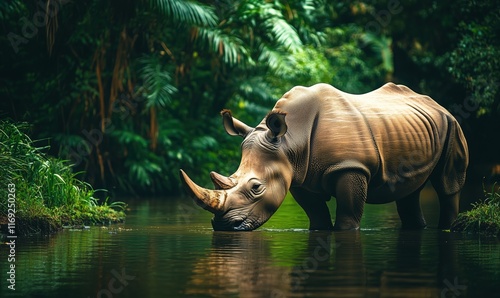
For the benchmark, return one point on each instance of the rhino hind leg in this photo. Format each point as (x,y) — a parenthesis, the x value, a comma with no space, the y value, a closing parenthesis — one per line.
(448,177)
(314,205)
(448,209)
(410,212)
(448,182)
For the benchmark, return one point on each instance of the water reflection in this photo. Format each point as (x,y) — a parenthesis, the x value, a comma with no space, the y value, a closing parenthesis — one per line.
(173,254)
(332,263)
(238,264)
(336,264)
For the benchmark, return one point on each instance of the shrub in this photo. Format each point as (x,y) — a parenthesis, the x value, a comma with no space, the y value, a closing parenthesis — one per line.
(484,217)
(48,194)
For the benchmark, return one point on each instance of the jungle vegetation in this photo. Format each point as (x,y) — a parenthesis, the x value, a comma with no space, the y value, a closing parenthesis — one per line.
(484,217)
(42,192)
(130,91)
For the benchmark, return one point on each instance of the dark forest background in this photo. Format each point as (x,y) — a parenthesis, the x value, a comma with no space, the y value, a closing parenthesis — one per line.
(130,91)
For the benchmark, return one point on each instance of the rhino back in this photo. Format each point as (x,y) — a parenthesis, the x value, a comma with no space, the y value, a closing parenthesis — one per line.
(394,135)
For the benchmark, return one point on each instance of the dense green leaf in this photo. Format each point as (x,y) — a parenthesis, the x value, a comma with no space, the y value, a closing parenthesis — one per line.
(158,87)
(186,12)
(126,137)
(229,47)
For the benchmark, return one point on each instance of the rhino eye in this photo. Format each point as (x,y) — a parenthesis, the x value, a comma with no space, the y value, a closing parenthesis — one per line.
(257,188)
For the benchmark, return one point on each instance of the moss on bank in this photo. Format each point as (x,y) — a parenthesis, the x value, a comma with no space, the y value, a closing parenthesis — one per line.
(42,193)
(484,218)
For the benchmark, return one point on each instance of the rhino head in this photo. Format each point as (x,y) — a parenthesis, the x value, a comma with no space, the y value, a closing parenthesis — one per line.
(249,197)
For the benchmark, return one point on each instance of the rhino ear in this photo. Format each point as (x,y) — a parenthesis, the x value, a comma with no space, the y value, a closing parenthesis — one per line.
(233,126)
(276,124)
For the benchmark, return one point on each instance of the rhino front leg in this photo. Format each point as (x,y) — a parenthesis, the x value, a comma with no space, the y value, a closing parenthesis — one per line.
(314,205)
(351,189)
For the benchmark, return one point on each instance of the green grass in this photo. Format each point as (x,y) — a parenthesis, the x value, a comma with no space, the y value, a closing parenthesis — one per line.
(484,218)
(48,193)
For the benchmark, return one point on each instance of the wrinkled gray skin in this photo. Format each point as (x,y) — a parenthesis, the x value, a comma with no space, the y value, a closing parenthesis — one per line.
(320,142)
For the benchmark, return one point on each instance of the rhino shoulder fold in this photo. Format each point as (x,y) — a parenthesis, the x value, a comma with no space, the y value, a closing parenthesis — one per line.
(398,89)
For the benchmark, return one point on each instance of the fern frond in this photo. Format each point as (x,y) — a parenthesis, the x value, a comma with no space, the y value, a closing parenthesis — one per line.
(157,82)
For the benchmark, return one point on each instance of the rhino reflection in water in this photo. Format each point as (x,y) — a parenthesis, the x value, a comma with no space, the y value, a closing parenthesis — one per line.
(238,265)
(320,142)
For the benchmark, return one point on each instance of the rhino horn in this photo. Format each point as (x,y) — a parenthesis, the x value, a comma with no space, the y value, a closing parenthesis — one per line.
(221,182)
(211,200)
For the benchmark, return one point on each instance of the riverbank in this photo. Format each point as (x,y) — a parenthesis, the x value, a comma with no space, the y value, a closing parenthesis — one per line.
(41,194)
(51,220)
(51,223)
(483,218)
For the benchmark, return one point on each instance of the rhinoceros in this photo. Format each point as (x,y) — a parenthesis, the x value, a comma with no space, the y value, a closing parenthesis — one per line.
(319,142)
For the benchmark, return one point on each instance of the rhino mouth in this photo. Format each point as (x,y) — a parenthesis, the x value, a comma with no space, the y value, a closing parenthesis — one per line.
(221,224)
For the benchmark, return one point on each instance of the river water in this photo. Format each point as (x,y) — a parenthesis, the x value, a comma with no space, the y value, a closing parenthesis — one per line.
(167,248)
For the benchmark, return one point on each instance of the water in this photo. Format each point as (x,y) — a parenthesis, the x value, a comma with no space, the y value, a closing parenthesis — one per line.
(167,248)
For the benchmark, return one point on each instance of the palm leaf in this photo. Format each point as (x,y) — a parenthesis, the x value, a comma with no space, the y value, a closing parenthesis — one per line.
(128,138)
(187,12)
(158,85)
(279,31)
(284,33)
(275,59)
(230,47)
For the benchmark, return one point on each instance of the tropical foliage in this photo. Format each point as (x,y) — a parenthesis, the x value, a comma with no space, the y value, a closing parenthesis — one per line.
(130,91)
(46,195)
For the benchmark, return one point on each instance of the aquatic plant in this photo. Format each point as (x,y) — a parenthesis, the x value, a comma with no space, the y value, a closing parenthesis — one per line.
(47,192)
(484,217)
